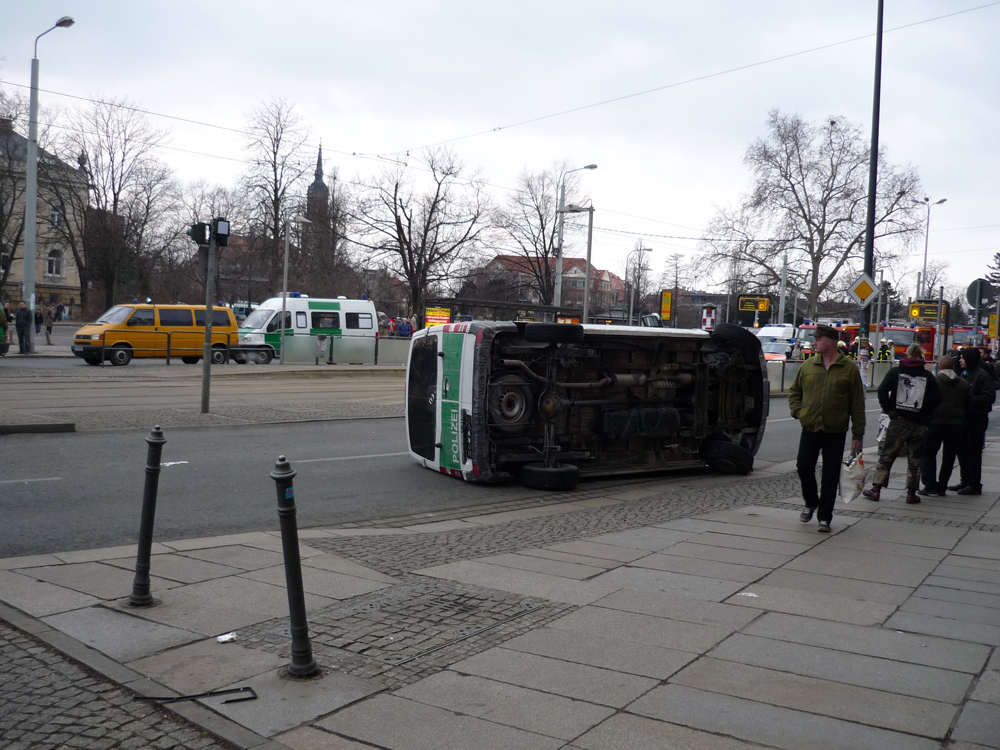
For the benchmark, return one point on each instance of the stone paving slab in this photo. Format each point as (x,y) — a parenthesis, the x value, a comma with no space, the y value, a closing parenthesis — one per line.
(388,721)
(337,564)
(531,710)
(812,604)
(980,723)
(28,561)
(541,565)
(773,726)
(616,653)
(96,579)
(629,732)
(567,557)
(979,544)
(719,539)
(679,584)
(945,627)
(40,599)
(963,584)
(239,556)
(959,567)
(870,591)
(320,582)
(107,553)
(988,688)
(702,567)
(120,636)
(865,566)
(283,704)
(914,680)
(846,544)
(654,631)
(684,608)
(848,702)
(311,738)
(953,610)
(180,568)
(651,539)
(700,548)
(945,653)
(206,665)
(879,530)
(580,681)
(612,552)
(801,533)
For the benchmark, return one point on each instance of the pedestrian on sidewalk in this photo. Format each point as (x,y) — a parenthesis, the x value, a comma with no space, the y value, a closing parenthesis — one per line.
(50,319)
(984,393)
(945,431)
(22,322)
(826,394)
(908,394)
(39,319)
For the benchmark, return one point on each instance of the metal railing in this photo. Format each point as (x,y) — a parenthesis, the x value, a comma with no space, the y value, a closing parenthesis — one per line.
(168,350)
(782,373)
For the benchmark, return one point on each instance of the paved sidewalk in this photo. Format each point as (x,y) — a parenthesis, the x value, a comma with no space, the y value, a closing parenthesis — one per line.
(687,612)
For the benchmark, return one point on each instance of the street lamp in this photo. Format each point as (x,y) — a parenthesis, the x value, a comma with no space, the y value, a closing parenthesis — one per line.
(574,209)
(284,280)
(31,185)
(557,296)
(635,277)
(927,234)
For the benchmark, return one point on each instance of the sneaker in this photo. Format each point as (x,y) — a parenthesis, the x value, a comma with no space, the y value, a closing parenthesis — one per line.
(942,490)
(824,527)
(872,494)
(929,491)
(970,490)
(807,515)
(956,487)
(911,498)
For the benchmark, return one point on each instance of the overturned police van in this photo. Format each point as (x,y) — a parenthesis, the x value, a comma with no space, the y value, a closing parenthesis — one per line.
(548,403)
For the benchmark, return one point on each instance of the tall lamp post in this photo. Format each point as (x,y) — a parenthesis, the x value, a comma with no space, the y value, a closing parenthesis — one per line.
(31,185)
(284,280)
(635,278)
(927,233)
(574,209)
(557,296)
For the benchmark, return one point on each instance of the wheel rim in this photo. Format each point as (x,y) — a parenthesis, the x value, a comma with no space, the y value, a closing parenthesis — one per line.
(512,406)
(262,357)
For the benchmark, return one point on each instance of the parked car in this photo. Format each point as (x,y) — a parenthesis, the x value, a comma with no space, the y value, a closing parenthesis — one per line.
(776,350)
(549,403)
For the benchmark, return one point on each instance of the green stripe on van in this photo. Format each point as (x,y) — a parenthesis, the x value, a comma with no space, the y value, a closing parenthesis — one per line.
(323,305)
(451,416)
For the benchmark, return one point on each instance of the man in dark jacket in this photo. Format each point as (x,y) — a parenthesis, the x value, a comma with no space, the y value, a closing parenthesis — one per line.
(23,322)
(908,394)
(945,430)
(970,454)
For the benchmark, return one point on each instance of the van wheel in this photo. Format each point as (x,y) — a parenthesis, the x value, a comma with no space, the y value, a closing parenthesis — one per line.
(120,356)
(726,457)
(92,361)
(219,356)
(553,333)
(263,356)
(240,359)
(190,360)
(734,335)
(541,477)
(509,403)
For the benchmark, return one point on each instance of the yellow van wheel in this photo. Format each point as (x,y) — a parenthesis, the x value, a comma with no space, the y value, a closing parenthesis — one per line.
(120,355)
(219,356)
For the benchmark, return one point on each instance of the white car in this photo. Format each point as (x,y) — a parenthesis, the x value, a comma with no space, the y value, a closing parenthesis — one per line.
(549,402)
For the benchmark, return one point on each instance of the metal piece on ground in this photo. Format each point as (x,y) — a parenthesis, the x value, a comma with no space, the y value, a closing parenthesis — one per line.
(251,696)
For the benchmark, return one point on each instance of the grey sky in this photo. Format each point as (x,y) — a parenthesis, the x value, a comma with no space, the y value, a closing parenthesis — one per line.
(376,79)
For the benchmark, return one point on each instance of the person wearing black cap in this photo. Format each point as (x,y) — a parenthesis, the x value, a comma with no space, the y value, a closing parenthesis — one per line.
(970,453)
(825,396)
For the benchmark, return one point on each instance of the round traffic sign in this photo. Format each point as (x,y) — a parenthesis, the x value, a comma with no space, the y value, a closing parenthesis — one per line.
(981,288)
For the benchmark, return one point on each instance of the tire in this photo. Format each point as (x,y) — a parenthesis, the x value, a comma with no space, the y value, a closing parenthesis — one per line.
(727,458)
(263,356)
(120,355)
(733,335)
(95,361)
(219,356)
(190,360)
(509,404)
(240,359)
(553,333)
(540,477)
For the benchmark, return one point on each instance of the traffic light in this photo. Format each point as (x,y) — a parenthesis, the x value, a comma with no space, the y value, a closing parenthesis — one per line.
(200,233)
(221,232)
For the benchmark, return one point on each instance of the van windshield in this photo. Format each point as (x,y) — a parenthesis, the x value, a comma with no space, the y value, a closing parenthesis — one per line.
(115,315)
(258,318)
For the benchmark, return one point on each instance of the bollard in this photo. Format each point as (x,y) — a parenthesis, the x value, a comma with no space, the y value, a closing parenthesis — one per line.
(140,596)
(303,664)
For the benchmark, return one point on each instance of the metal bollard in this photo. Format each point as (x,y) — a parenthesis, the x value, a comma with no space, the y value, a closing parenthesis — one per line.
(303,664)
(140,596)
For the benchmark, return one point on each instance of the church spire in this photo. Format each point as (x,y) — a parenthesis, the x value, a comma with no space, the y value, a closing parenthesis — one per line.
(319,163)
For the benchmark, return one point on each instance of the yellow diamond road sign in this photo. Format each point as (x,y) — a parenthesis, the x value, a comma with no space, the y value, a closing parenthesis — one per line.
(863,290)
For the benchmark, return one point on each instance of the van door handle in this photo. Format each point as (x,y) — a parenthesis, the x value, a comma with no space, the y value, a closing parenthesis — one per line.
(445,387)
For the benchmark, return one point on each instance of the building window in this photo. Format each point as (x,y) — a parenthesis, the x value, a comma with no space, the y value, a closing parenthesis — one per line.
(55,266)
(56,217)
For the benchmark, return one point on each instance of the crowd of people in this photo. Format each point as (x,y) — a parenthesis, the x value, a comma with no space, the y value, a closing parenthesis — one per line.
(22,321)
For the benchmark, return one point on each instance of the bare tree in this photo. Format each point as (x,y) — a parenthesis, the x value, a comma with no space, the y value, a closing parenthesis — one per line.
(424,233)
(808,200)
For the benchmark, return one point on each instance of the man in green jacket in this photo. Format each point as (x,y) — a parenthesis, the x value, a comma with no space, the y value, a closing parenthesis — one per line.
(827,393)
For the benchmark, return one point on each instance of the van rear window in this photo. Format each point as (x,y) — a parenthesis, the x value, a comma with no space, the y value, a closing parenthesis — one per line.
(325,319)
(175,317)
(219,318)
(358,320)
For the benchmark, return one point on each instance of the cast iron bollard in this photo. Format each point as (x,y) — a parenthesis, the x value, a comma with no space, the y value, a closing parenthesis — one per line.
(303,664)
(140,596)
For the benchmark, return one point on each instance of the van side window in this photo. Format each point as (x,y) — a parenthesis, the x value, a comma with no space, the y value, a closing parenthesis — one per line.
(142,318)
(358,320)
(219,318)
(421,405)
(175,317)
(325,319)
(276,320)
(300,319)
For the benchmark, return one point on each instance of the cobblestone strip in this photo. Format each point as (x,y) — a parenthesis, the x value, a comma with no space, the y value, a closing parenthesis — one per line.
(49,702)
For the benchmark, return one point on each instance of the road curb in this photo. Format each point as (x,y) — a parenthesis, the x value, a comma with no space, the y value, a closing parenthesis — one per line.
(37,428)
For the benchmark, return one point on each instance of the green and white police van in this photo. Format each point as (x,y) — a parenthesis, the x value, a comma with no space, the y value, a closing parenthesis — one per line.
(349,325)
(548,403)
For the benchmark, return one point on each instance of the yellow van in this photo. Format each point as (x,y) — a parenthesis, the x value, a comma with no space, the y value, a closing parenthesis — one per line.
(138,330)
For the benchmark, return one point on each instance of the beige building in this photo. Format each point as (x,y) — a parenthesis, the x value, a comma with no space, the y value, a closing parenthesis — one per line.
(62,201)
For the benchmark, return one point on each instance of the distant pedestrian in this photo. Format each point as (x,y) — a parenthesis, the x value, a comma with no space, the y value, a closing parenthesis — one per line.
(404,328)
(60,310)
(908,394)
(22,322)
(392,328)
(39,319)
(50,319)
(825,396)
(984,393)
(945,429)
(3,333)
